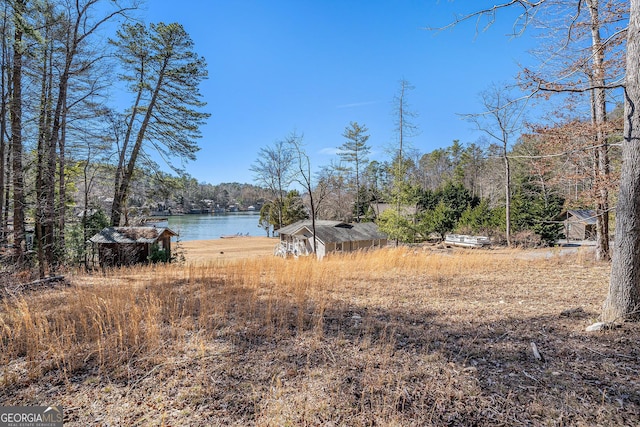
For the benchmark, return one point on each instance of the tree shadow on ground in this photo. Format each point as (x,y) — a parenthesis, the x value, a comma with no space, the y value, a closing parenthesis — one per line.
(349,364)
(470,372)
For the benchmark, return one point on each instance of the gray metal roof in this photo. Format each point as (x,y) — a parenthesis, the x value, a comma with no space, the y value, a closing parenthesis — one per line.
(586,216)
(292,228)
(336,231)
(129,235)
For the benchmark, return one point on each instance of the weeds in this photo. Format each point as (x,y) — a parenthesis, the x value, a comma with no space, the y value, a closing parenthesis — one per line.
(394,337)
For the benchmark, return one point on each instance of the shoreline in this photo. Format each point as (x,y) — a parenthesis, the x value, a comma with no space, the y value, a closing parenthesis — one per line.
(230,248)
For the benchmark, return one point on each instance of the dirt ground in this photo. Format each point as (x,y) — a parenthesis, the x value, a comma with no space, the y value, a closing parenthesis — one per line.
(198,251)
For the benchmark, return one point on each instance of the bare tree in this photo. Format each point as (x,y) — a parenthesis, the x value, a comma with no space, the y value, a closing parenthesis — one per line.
(404,129)
(583,60)
(44,214)
(623,299)
(274,170)
(62,53)
(502,121)
(5,80)
(334,201)
(304,177)
(583,51)
(19,7)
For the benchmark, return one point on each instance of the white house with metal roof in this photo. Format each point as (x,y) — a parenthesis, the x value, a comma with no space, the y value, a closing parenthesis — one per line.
(331,236)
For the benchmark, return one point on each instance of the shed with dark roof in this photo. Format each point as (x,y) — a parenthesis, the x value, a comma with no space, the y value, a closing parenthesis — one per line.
(331,236)
(580,224)
(118,246)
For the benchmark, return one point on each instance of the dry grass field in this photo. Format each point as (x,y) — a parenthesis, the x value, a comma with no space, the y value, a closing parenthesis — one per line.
(396,337)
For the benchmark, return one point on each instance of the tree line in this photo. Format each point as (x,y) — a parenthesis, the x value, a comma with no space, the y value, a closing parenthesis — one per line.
(459,188)
(58,132)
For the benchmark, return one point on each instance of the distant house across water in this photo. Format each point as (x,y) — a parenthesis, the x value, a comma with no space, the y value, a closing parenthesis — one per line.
(331,236)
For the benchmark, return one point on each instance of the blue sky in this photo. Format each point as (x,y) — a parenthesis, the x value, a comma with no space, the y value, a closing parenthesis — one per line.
(312,67)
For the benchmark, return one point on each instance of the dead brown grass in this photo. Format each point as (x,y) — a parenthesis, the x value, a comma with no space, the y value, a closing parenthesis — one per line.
(408,336)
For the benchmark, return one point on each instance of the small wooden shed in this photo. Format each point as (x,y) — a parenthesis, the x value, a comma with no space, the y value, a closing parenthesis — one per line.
(331,236)
(117,246)
(579,224)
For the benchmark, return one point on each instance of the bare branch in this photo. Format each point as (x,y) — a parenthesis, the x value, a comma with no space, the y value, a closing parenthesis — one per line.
(490,13)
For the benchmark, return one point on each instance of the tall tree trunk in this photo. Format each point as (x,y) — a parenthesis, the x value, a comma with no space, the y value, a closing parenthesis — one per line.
(41,159)
(49,175)
(623,300)
(16,139)
(603,252)
(44,214)
(507,191)
(4,100)
(399,170)
(280,198)
(123,189)
(50,218)
(357,191)
(6,188)
(118,198)
(85,209)
(62,188)
(399,175)
(599,118)
(7,192)
(79,28)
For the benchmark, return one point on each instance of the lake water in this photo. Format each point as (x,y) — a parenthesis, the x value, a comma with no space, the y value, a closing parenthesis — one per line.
(214,226)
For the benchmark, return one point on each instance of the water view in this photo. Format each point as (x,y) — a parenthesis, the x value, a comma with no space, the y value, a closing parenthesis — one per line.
(214,226)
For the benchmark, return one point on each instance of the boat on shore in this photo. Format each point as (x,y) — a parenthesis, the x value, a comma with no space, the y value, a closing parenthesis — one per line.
(234,236)
(467,241)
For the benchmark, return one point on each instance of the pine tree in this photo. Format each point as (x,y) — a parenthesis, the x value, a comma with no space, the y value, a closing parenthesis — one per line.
(164,74)
(354,151)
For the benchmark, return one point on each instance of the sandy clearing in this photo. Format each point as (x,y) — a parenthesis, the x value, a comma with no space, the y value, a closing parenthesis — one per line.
(197,251)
